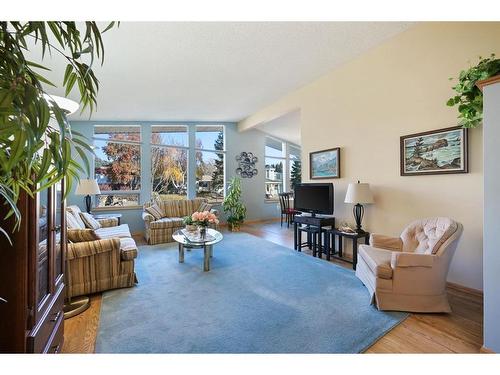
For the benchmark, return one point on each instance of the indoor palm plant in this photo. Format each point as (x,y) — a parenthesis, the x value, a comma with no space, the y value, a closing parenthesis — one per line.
(36,141)
(233,207)
(469,97)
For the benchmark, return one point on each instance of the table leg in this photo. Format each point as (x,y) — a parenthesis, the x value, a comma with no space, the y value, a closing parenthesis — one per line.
(367,240)
(327,245)
(181,253)
(314,244)
(295,235)
(341,244)
(211,251)
(354,253)
(320,249)
(309,238)
(206,258)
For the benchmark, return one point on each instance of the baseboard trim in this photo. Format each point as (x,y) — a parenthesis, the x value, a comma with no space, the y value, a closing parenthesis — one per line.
(465,289)
(485,350)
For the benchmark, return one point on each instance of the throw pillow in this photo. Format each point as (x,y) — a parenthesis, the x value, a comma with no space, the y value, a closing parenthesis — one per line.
(89,221)
(155,210)
(71,221)
(204,206)
(81,235)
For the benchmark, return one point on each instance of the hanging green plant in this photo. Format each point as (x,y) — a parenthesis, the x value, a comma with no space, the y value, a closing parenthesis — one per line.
(36,141)
(469,97)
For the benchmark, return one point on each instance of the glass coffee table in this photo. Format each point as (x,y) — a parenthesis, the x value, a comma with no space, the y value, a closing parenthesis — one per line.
(212,237)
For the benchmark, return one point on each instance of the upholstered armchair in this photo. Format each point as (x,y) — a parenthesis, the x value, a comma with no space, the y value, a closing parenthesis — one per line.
(408,273)
(98,259)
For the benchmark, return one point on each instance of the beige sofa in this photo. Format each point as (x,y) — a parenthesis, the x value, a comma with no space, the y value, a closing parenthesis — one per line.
(99,259)
(160,230)
(408,273)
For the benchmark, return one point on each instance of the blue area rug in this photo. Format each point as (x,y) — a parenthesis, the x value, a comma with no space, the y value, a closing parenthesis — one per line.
(259,297)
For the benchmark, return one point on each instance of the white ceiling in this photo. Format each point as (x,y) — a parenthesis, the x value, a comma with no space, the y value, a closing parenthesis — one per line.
(286,127)
(216,71)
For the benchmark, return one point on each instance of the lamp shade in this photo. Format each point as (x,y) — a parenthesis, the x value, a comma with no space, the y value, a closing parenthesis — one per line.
(358,193)
(87,186)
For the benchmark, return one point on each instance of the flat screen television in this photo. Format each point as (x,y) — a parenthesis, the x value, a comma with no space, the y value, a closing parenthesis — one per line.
(314,198)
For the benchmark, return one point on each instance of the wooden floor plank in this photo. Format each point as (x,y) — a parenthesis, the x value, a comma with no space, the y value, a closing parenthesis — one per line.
(458,332)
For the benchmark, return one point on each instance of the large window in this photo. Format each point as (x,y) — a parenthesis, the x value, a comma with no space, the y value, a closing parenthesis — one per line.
(275,162)
(283,167)
(117,165)
(169,160)
(210,151)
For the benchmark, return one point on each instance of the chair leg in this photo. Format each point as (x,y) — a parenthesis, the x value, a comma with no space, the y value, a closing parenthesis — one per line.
(281,219)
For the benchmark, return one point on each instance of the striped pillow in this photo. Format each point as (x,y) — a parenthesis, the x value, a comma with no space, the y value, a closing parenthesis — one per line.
(204,206)
(71,221)
(155,210)
(81,235)
(89,221)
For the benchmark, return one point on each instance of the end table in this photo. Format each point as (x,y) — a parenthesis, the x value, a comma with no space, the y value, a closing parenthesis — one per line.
(330,239)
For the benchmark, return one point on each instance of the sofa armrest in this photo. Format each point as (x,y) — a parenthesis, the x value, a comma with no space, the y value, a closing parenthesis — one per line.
(386,242)
(108,222)
(90,248)
(411,260)
(147,217)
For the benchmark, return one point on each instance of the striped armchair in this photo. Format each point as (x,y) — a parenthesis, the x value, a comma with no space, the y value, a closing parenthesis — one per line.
(99,259)
(170,217)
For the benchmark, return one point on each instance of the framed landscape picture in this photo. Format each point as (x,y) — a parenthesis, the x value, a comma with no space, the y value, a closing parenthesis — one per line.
(439,151)
(324,164)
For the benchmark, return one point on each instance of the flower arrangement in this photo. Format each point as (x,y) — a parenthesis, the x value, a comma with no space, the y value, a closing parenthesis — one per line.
(204,219)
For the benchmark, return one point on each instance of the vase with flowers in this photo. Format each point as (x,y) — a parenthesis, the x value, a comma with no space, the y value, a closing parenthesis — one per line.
(203,220)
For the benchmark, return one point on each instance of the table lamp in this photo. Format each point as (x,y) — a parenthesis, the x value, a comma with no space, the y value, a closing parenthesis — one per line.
(359,194)
(87,187)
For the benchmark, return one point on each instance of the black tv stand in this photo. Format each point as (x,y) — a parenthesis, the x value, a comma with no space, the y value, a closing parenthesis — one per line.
(314,226)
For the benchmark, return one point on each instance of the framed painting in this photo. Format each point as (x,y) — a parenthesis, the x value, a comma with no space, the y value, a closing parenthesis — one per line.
(441,151)
(324,164)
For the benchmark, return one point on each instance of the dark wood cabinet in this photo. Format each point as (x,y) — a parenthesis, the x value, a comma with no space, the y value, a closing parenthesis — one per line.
(32,275)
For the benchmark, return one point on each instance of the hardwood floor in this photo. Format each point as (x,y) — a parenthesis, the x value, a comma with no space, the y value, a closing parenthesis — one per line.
(458,332)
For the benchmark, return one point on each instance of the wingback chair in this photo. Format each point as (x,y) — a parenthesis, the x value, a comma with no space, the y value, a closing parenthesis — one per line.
(409,273)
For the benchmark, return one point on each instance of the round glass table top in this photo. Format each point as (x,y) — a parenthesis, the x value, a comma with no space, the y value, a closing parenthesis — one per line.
(212,237)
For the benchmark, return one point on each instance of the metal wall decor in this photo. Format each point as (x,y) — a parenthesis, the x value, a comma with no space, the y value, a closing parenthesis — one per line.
(246,167)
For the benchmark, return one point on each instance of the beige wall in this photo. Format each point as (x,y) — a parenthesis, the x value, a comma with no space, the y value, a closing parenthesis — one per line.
(396,89)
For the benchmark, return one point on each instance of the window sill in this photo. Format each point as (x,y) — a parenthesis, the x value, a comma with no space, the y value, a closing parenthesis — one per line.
(116,208)
(271,200)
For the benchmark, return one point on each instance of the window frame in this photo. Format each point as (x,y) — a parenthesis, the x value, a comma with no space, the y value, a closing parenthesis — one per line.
(286,160)
(96,137)
(214,151)
(169,146)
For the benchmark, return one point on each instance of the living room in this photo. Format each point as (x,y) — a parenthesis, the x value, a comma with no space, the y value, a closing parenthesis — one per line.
(320,187)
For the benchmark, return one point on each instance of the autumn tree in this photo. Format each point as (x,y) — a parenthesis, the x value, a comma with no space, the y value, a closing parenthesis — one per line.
(168,168)
(123,169)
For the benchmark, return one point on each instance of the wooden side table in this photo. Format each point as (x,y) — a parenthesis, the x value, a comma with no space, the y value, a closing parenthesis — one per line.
(330,239)
(108,216)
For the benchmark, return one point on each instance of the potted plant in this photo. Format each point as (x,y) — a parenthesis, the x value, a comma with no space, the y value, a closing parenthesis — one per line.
(233,207)
(469,97)
(188,221)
